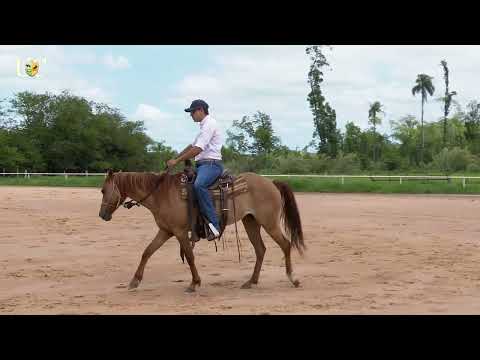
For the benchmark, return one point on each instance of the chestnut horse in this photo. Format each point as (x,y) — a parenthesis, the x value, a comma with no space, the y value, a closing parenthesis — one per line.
(266,203)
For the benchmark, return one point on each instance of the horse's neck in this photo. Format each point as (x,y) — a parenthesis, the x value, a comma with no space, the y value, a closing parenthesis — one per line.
(139,194)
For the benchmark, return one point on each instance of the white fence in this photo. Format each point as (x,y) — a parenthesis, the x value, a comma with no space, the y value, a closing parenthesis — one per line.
(342,178)
(27,174)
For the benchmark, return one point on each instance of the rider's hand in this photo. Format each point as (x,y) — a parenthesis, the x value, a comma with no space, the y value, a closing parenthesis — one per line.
(171,163)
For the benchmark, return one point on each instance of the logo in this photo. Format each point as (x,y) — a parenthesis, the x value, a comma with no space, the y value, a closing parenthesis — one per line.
(30,67)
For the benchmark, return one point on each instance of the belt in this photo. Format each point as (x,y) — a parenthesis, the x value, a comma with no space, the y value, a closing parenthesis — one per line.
(209,161)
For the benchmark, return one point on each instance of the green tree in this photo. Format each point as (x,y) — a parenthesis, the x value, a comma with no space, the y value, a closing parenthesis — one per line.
(254,135)
(447,100)
(373,112)
(406,132)
(324,116)
(472,120)
(352,138)
(66,132)
(159,155)
(423,86)
(375,120)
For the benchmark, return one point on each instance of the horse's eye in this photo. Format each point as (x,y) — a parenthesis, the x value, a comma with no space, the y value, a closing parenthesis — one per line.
(103,192)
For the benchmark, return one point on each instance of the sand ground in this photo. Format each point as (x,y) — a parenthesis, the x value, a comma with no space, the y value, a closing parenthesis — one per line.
(367,254)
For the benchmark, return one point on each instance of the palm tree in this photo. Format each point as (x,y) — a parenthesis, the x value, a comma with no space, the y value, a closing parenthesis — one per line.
(373,119)
(425,87)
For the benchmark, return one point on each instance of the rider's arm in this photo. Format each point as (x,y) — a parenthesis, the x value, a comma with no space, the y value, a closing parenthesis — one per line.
(198,145)
(192,152)
(185,150)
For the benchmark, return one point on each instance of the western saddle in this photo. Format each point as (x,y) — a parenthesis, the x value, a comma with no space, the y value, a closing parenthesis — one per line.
(225,187)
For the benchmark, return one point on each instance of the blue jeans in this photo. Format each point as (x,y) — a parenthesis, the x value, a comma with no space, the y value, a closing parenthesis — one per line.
(207,173)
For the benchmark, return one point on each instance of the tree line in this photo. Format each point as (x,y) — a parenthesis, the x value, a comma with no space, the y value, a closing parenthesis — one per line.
(56,133)
(65,132)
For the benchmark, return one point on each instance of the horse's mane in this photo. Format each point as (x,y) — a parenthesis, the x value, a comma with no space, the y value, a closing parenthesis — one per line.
(146,182)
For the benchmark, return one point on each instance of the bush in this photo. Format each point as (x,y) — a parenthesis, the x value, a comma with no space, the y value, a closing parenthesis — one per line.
(292,165)
(474,168)
(248,163)
(392,162)
(346,164)
(320,164)
(452,160)
(474,164)
(365,163)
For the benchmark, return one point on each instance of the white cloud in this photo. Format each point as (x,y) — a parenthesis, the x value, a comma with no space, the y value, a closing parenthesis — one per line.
(243,80)
(94,93)
(176,130)
(151,113)
(116,63)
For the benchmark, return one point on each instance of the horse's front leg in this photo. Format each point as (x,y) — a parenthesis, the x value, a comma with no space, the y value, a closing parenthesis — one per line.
(188,250)
(158,241)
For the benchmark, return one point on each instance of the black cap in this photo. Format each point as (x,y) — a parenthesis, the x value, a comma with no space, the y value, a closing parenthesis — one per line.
(196,104)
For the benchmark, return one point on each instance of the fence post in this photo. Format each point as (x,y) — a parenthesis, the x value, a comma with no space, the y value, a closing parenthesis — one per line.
(3,171)
(17,172)
(25,173)
(343,180)
(86,173)
(463,183)
(400,180)
(65,174)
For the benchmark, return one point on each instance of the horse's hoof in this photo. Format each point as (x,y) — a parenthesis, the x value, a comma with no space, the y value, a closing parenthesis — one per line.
(190,289)
(296,283)
(133,284)
(247,285)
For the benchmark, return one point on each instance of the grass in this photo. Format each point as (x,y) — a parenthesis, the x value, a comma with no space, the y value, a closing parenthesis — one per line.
(298,184)
(75,181)
(381,187)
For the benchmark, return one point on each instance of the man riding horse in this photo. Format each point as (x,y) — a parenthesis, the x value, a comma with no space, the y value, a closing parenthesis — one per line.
(206,149)
(267,204)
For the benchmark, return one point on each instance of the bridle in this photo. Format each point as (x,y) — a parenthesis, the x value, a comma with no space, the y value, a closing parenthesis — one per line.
(131,203)
(115,189)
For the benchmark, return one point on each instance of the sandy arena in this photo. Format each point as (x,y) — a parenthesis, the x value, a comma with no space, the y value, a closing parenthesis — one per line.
(367,254)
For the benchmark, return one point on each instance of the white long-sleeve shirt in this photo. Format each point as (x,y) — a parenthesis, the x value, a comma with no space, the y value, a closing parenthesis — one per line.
(210,140)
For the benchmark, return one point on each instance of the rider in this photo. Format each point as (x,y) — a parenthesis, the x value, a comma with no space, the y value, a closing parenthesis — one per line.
(206,148)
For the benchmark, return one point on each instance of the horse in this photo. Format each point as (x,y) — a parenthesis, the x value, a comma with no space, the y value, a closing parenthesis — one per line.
(267,203)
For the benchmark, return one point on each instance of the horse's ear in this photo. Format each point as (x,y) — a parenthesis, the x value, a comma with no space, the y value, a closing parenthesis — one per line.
(109,172)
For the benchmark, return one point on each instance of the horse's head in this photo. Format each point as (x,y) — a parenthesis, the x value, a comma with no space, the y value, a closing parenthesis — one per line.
(112,198)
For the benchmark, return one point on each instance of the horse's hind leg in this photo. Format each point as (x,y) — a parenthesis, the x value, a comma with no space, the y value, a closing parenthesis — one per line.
(187,249)
(158,241)
(253,230)
(279,238)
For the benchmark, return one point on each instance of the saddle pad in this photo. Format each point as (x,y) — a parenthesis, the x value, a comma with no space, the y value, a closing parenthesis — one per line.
(240,186)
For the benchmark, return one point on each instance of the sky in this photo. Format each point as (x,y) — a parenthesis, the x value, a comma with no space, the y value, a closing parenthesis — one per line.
(155,83)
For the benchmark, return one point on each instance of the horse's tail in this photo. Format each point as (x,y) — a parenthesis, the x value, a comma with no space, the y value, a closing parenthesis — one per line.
(291,216)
